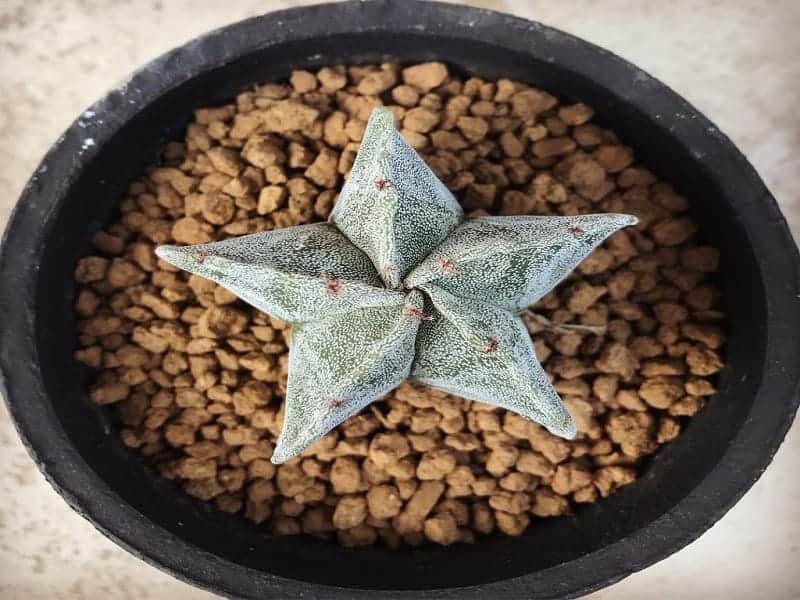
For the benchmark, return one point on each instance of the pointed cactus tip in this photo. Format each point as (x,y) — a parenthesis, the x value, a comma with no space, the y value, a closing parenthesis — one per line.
(167,253)
(278,459)
(381,114)
(161,249)
(381,110)
(280,453)
(284,450)
(182,257)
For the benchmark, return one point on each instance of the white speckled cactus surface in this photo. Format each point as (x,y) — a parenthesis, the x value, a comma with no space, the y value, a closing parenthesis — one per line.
(398,284)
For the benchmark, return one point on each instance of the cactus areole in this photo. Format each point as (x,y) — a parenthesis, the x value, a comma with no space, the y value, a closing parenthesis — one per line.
(399,284)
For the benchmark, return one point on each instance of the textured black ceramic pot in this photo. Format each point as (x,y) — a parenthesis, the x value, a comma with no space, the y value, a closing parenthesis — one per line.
(687,487)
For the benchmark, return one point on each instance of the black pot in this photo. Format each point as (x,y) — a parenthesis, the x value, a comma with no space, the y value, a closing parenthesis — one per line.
(690,484)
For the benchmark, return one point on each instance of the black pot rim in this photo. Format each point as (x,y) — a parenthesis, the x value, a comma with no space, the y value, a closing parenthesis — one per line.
(746,458)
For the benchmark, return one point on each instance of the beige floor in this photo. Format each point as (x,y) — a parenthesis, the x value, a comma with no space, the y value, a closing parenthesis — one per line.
(736,60)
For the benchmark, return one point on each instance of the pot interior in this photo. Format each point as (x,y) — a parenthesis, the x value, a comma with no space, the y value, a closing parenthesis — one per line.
(669,477)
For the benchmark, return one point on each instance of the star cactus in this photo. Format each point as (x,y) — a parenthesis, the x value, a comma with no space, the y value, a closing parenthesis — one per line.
(399,284)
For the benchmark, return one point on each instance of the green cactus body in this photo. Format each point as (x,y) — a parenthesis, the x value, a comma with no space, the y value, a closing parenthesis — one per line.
(392,206)
(398,284)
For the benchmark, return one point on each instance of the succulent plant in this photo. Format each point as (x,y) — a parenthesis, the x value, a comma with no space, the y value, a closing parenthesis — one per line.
(399,284)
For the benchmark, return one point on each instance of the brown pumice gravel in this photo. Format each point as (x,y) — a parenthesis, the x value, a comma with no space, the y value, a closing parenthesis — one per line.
(632,339)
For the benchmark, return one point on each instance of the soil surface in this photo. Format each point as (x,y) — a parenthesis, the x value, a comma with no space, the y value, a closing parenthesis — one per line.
(632,339)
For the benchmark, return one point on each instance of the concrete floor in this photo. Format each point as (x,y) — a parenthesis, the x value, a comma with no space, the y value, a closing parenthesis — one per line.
(736,60)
